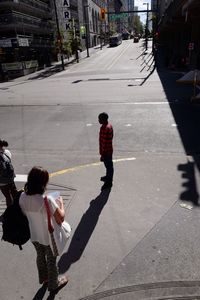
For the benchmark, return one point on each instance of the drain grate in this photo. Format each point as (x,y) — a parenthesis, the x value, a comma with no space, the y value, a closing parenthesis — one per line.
(67,194)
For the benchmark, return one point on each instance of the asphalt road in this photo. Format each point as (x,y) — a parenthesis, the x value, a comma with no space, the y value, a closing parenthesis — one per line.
(53,121)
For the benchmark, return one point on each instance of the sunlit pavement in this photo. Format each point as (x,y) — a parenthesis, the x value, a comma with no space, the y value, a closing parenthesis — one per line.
(129,242)
(135,241)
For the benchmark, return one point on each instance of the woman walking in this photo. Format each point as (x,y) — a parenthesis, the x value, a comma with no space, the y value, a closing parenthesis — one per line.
(32,203)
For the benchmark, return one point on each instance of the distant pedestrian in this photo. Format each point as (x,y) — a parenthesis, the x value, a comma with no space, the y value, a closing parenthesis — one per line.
(7,175)
(106,149)
(33,205)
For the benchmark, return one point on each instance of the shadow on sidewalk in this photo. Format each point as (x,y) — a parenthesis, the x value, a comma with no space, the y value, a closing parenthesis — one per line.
(40,293)
(83,231)
(190,184)
(186,116)
(50,71)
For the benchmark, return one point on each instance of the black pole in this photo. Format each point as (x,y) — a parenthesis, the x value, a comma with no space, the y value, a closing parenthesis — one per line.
(155,29)
(86,28)
(59,36)
(147,24)
(101,35)
(108,17)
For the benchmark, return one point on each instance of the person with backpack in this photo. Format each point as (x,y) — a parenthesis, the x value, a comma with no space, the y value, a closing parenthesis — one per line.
(7,174)
(32,203)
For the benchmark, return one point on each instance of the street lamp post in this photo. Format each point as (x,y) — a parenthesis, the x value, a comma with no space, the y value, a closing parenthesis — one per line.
(155,29)
(147,24)
(86,28)
(59,35)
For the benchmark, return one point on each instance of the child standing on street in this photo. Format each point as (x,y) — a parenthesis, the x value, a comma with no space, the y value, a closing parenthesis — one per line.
(106,149)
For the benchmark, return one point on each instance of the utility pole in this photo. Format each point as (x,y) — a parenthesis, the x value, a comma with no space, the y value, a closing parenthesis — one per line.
(155,33)
(86,28)
(147,25)
(75,40)
(59,35)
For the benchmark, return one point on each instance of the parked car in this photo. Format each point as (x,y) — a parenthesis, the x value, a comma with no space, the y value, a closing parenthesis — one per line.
(125,35)
(115,40)
(136,39)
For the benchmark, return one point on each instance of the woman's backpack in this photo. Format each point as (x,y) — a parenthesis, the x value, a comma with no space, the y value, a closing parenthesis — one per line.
(7,173)
(15,224)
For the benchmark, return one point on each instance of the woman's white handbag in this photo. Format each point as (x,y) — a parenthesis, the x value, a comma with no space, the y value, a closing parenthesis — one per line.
(61,235)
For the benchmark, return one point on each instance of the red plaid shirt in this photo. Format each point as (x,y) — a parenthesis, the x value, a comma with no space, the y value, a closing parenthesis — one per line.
(105,140)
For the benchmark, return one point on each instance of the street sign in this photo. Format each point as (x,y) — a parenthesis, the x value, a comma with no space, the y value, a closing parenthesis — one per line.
(67,26)
(66,14)
(23,42)
(5,43)
(66,3)
(82,29)
(191,46)
(118,16)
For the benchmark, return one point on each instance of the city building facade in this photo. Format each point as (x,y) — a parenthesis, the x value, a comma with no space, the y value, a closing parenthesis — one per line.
(26,35)
(97,27)
(33,33)
(179,33)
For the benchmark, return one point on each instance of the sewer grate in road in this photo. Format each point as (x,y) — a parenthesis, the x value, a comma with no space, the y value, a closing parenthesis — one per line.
(67,194)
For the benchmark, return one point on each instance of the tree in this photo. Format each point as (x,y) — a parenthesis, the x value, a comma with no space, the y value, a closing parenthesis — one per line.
(138,25)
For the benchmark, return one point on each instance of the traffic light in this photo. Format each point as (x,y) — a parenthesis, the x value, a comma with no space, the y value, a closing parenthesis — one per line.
(59,40)
(103,14)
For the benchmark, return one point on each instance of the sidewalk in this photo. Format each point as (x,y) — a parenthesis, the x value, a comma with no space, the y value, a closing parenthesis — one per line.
(54,68)
(131,242)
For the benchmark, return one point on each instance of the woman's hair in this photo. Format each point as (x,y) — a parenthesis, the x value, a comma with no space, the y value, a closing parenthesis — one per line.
(3,143)
(37,181)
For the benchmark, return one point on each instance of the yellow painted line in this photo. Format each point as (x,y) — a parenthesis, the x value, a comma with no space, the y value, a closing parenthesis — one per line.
(64,171)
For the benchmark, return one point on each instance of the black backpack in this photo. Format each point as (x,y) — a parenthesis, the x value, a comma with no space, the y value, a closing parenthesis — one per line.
(7,173)
(15,224)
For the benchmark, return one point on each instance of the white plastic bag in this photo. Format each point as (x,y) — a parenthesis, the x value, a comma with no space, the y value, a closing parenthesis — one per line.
(61,235)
